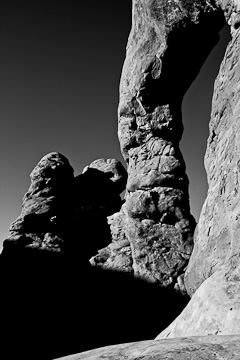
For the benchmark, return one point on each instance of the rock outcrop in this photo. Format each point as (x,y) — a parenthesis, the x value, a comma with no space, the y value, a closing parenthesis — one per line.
(204,348)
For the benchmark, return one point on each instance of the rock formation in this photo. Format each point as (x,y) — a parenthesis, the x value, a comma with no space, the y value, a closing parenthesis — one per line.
(57,205)
(65,220)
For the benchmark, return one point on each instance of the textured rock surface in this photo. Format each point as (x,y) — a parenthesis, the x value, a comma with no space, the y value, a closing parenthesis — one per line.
(158,222)
(204,348)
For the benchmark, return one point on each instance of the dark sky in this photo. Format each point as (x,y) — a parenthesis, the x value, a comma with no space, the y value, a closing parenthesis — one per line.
(60,65)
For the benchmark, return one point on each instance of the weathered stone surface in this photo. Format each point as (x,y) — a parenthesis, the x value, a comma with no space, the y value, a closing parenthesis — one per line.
(204,348)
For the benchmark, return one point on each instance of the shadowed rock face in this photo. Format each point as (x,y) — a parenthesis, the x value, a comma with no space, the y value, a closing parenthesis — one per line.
(53,302)
(59,209)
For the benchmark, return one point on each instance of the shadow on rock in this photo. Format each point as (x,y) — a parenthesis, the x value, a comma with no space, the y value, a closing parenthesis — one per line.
(52,306)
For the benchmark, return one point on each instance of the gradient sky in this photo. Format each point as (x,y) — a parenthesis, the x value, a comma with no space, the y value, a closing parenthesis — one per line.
(60,65)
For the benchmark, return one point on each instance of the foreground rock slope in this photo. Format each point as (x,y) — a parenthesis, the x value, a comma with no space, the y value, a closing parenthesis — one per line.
(204,348)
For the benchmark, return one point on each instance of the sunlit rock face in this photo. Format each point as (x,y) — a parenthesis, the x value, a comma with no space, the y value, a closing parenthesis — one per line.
(217,235)
(212,277)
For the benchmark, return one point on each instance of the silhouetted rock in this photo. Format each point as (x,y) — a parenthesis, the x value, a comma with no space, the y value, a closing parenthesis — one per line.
(53,302)
(114,171)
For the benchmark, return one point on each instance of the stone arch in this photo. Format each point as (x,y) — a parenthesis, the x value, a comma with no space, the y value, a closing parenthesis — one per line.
(168,44)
